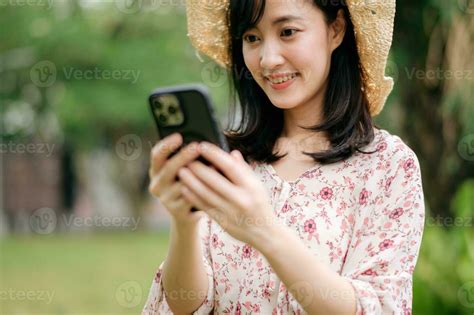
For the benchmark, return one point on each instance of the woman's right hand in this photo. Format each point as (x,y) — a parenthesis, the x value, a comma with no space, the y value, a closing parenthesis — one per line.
(163,178)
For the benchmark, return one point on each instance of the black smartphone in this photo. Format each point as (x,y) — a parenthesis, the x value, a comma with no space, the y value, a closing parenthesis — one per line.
(187,109)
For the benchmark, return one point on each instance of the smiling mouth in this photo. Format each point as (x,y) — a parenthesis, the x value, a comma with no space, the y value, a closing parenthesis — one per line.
(283,79)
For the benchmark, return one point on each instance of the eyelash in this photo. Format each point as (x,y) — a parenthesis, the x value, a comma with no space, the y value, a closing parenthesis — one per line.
(288,29)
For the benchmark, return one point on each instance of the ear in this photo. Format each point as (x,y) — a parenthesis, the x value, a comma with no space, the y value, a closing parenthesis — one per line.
(337,30)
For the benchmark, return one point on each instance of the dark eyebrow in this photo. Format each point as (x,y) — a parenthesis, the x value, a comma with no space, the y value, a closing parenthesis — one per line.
(285,18)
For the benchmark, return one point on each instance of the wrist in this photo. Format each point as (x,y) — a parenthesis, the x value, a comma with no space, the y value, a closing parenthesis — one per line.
(183,229)
(267,240)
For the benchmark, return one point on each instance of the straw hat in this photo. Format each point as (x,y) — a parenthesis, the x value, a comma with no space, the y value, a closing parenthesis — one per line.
(373,20)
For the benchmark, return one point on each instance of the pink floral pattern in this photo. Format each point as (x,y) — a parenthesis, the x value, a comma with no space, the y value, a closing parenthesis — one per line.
(326,193)
(363,217)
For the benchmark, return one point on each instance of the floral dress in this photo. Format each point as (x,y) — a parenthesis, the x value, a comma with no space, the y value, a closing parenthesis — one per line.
(363,217)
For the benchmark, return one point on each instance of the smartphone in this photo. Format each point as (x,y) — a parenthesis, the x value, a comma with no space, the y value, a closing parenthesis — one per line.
(187,109)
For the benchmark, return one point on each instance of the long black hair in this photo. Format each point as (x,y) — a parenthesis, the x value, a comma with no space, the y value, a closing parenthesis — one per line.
(346,120)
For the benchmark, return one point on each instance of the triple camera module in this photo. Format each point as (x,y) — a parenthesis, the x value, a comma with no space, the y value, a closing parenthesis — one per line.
(167,110)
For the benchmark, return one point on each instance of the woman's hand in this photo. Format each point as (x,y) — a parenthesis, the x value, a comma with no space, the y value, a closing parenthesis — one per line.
(163,183)
(239,203)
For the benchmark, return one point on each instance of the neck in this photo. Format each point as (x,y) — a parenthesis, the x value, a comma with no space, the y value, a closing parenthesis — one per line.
(301,139)
(305,115)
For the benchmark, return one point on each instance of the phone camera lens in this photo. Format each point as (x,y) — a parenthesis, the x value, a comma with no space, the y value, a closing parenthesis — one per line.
(158,104)
(171,110)
(162,118)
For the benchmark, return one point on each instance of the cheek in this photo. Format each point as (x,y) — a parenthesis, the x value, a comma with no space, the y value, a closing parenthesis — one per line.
(250,59)
(315,62)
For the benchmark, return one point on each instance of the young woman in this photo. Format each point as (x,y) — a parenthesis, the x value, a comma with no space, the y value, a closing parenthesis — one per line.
(319,211)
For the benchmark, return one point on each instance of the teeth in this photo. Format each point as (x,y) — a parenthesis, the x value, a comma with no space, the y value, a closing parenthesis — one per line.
(281,80)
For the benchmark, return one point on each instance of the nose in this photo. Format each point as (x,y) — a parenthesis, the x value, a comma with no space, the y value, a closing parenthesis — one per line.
(270,56)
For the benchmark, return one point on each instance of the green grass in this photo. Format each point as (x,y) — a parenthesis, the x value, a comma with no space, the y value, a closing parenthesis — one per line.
(111,273)
(84,274)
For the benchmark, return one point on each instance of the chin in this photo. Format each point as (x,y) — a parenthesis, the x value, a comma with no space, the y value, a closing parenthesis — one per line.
(283,99)
(284,104)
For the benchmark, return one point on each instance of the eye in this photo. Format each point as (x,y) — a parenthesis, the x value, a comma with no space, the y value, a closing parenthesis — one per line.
(288,32)
(250,38)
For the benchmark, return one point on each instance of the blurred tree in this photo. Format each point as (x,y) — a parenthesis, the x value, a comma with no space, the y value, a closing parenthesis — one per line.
(80,72)
(102,58)
(433,46)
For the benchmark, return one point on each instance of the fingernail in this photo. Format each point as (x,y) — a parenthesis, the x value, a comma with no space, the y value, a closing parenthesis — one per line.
(193,147)
(174,136)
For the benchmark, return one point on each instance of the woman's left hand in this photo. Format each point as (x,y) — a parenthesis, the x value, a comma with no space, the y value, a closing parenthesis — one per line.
(239,203)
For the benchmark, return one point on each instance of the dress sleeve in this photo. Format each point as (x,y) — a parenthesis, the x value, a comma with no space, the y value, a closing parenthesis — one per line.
(156,302)
(386,239)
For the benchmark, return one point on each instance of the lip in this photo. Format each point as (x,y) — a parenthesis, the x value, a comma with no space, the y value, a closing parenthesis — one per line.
(281,86)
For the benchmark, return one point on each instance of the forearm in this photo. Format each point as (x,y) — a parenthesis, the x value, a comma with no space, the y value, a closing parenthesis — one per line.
(184,276)
(317,288)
